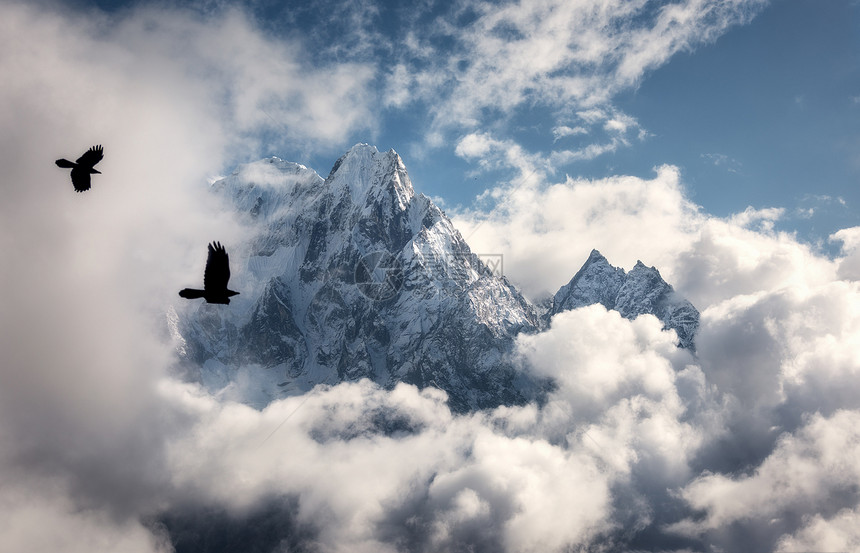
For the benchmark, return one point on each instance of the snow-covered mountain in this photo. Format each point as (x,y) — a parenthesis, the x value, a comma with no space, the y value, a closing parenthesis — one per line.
(357,276)
(640,291)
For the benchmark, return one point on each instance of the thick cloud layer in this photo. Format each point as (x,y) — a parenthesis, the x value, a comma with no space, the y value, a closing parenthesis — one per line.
(751,442)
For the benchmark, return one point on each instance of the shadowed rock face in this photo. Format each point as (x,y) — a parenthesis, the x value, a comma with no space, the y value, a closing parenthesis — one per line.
(355,276)
(641,291)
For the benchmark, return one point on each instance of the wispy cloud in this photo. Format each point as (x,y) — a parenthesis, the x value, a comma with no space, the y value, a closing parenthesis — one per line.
(484,61)
(495,153)
(563,131)
(722,160)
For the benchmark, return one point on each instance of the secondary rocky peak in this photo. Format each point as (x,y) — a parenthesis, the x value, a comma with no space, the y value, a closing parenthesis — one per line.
(639,292)
(596,282)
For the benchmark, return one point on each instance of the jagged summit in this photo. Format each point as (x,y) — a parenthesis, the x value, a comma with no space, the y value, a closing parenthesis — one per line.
(357,276)
(596,282)
(368,174)
(641,291)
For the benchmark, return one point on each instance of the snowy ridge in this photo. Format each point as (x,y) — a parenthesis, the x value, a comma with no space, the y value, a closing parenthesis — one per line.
(356,276)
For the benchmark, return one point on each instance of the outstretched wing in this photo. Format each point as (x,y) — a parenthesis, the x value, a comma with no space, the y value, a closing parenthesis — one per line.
(91,156)
(217,269)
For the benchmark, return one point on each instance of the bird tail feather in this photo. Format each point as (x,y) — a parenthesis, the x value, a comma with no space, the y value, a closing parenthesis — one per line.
(65,164)
(191,293)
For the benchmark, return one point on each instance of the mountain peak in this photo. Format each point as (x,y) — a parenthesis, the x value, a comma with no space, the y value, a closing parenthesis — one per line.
(595,257)
(641,291)
(358,277)
(368,173)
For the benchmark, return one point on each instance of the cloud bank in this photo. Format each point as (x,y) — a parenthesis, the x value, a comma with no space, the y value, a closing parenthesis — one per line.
(750,444)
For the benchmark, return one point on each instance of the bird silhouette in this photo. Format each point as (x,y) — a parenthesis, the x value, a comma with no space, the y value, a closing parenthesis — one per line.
(215,278)
(83,167)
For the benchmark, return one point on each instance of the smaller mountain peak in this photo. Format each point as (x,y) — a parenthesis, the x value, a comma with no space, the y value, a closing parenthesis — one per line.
(638,292)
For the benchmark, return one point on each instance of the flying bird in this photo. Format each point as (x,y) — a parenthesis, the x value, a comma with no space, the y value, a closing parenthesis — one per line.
(215,278)
(83,167)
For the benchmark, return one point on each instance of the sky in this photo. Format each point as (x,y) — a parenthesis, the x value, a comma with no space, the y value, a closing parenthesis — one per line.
(715,140)
(756,102)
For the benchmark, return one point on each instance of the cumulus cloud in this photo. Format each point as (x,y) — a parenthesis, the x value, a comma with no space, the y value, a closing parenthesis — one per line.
(378,470)
(849,264)
(546,232)
(775,372)
(810,474)
(839,533)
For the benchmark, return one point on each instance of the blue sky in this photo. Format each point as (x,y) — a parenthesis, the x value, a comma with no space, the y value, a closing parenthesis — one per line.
(767,116)
(757,106)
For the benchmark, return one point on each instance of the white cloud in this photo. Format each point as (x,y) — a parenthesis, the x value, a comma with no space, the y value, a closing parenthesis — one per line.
(475,145)
(172,97)
(776,365)
(803,475)
(547,231)
(849,265)
(451,478)
(623,390)
(546,234)
(495,153)
(373,468)
(679,26)
(563,131)
(41,517)
(840,533)
(492,154)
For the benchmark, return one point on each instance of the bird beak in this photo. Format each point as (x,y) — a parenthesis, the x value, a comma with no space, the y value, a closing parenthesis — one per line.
(95,171)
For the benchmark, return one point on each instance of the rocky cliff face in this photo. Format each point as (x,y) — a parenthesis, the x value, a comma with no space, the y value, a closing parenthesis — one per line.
(356,276)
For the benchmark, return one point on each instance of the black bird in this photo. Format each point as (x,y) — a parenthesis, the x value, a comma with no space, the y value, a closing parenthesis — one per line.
(214,279)
(83,167)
